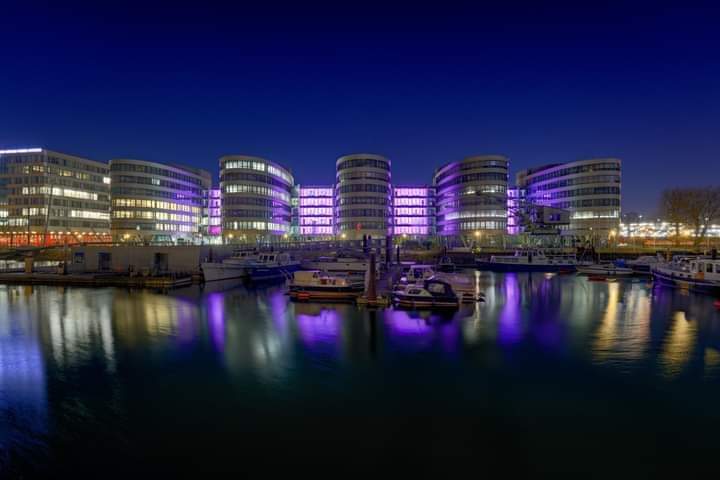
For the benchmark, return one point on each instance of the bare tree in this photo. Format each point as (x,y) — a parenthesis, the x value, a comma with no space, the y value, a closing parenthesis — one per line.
(674,208)
(702,208)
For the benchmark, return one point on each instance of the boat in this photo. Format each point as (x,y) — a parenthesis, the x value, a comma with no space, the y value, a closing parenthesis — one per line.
(432,293)
(317,285)
(530,260)
(642,264)
(603,270)
(228,269)
(446,265)
(271,266)
(462,284)
(699,274)
(347,265)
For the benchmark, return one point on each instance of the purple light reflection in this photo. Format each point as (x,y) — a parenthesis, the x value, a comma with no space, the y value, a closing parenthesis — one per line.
(216,320)
(509,328)
(321,328)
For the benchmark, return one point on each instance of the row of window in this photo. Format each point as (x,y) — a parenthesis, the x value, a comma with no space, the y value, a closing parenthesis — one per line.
(147,169)
(471,165)
(258,166)
(267,214)
(60,192)
(593,202)
(257,190)
(156,204)
(155,215)
(577,193)
(51,159)
(145,192)
(125,179)
(272,226)
(316,221)
(363,175)
(561,172)
(363,201)
(344,226)
(475,177)
(364,163)
(362,212)
(254,177)
(413,201)
(575,181)
(364,187)
(323,201)
(474,214)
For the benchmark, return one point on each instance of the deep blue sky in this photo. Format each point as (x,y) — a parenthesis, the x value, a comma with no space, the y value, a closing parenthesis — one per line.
(421,84)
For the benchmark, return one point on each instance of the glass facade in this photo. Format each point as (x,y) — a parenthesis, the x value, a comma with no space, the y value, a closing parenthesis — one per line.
(588,189)
(413,211)
(316,211)
(51,198)
(157,203)
(363,196)
(471,197)
(256,199)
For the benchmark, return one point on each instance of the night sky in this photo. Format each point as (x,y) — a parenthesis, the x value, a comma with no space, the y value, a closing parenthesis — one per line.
(421,84)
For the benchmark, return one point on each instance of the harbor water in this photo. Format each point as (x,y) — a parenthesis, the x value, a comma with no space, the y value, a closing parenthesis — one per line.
(552,373)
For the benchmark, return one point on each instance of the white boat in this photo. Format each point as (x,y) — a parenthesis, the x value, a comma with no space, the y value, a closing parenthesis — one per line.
(317,285)
(229,268)
(462,284)
(433,294)
(605,270)
(271,266)
(700,274)
(644,263)
(530,260)
(347,265)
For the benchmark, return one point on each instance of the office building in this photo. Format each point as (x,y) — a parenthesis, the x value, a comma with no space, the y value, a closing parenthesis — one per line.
(413,211)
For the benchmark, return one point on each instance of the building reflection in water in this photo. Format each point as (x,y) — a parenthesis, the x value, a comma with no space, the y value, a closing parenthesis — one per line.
(679,345)
(510,323)
(216,320)
(423,329)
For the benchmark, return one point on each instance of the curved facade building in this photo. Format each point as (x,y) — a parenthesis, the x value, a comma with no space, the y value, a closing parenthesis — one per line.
(255,199)
(156,203)
(363,196)
(471,197)
(588,189)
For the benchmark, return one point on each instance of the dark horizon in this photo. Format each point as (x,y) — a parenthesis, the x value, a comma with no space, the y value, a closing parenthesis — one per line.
(303,85)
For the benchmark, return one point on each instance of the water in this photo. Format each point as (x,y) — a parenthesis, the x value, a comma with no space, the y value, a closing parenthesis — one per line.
(551,374)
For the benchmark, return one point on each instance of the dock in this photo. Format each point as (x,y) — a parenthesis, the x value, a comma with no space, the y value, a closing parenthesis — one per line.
(96,280)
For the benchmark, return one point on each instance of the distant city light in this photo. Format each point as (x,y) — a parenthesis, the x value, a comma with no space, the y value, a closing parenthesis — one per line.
(21,150)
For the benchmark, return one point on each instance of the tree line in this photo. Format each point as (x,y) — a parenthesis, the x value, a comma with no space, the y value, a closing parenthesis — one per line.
(696,208)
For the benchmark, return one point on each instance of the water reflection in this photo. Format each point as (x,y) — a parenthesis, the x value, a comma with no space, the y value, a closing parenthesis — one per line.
(106,352)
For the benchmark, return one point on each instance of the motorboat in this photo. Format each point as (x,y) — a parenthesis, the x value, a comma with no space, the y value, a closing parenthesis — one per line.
(530,260)
(700,274)
(446,265)
(432,293)
(643,264)
(605,270)
(462,284)
(229,268)
(346,265)
(271,266)
(317,285)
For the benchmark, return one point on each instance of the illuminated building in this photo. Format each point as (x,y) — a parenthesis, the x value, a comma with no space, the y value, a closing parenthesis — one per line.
(588,189)
(362,196)
(255,199)
(50,198)
(316,211)
(413,211)
(157,203)
(212,215)
(471,197)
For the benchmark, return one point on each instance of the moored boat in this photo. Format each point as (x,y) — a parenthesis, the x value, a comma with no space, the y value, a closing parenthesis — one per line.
(317,285)
(700,274)
(530,260)
(432,294)
(271,266)
(643,264)
(230,268)
(463,285)
(446,265)
(346,265)
(603,270)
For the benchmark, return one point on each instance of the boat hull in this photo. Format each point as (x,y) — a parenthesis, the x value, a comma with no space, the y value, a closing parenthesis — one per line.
(213,272)
(322,293)
(524,267)
(270,273)
(693,284)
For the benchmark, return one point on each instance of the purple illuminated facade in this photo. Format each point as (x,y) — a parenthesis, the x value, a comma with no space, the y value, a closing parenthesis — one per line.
(513,205)
(214,212)
(316,211)
(413,211)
